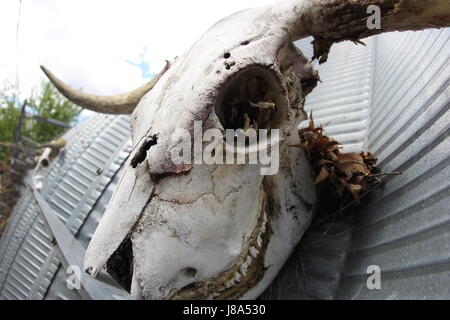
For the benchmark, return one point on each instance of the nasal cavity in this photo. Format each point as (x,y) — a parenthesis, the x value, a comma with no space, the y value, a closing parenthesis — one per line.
(140,156)
(120,264)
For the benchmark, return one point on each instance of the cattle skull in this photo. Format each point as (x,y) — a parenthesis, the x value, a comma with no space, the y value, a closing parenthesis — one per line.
(201,231)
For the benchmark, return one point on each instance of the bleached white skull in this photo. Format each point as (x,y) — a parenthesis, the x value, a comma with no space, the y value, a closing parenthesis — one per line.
(183,230)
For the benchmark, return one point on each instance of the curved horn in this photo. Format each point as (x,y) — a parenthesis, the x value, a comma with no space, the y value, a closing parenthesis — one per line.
(116,104)
(331,21)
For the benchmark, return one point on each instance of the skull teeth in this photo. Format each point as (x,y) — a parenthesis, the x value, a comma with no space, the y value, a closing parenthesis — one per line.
(244,266)
(259,241)
(246,261)
(253,252)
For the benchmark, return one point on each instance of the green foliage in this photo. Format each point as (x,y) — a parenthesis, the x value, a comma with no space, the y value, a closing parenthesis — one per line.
(9,117)
(50,104)
(46,103)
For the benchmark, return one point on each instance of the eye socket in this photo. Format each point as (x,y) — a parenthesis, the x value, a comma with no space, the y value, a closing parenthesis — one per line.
(252,99)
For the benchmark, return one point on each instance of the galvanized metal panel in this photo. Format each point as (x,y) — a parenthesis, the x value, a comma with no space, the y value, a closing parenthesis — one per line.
(391,97)
(58,288)
(405,228)
(341,101)
(29,260)
(305,45)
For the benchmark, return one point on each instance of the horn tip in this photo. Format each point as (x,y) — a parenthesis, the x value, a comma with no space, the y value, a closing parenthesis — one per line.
(46,71)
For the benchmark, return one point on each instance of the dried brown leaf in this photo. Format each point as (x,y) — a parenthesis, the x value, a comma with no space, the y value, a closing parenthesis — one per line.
(323,174)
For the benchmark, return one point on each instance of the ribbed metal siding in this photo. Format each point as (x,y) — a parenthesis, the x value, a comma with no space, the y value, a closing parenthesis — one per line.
(305,46)
(391,97)
(58,288)
(29,260)
(342,100)
(405,228)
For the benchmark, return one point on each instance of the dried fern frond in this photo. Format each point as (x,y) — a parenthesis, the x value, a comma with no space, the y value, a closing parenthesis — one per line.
(350,175)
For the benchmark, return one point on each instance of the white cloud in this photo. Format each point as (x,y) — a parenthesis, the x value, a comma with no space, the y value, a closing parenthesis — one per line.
(88,42)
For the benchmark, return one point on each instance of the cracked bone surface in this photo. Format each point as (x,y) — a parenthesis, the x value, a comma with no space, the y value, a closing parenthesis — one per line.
(224,231)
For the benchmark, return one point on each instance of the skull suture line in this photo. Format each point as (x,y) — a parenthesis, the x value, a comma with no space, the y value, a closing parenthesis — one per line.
(224,231)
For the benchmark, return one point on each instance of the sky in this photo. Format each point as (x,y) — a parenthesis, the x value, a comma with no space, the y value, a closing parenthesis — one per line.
(101,46)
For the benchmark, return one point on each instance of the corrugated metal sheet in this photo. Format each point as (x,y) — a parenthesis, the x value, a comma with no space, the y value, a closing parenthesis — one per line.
(58,288)
(305,45)
(405,228)
(342,100)
(392,97)
(73,188)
